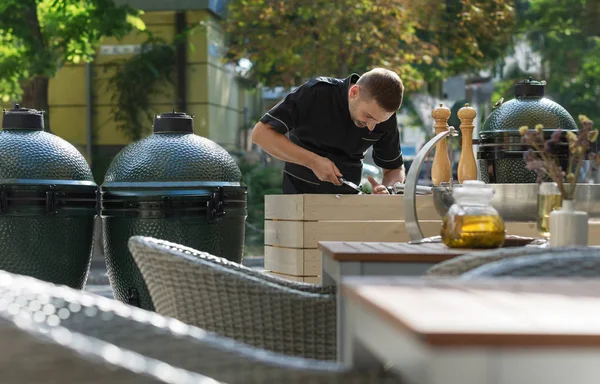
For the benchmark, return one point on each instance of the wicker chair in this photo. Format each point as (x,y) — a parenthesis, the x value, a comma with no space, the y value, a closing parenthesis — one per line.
(461,264)
(36,349)
(300,286)
(234,303)
(171,341)
(571,263)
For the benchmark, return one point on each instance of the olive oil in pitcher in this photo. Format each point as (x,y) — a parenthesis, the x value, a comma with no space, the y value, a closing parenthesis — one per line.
(472,222)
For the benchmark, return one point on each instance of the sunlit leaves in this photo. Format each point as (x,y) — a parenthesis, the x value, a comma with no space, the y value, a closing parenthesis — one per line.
(471,34)
(136,22)
(567,35)
(290,40)
(11,65)
(38,37)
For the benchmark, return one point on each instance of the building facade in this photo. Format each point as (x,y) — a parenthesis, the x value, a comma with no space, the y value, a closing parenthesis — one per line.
(81,100)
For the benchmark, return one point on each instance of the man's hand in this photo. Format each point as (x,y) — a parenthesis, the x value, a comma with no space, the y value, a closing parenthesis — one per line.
(393,176)
(326,170)
(378,189)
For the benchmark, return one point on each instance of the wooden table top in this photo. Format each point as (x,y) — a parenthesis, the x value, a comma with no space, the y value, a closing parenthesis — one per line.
(385,251)
(493,313)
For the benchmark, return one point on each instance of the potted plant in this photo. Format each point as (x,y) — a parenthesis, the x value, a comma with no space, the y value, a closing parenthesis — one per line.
(567,226)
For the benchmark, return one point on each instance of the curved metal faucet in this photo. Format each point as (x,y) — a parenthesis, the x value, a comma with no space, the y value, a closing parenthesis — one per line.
(410,187)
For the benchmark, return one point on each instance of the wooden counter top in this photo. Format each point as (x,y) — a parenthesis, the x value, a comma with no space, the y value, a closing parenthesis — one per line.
(495,313)
(387,251)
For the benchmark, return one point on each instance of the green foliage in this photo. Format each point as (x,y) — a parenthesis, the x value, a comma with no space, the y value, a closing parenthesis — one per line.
(135,81)
(12,68)
(469,34)
(504,89)
(567,35)
(140,78)
(261,180)
(288,41)
(37,37)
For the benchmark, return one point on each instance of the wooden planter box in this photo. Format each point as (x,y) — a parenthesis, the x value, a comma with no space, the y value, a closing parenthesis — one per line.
(294,224)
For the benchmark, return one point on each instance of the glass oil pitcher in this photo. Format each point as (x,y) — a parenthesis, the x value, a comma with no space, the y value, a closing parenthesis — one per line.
(472,222)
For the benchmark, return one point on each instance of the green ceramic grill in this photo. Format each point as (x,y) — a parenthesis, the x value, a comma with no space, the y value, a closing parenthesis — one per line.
(47,202)
(172,185)
(500,154)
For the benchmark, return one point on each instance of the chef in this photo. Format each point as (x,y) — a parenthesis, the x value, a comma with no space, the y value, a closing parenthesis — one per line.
(323,129)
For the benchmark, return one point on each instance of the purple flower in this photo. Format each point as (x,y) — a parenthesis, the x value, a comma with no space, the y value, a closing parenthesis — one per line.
(534,165)
(542,159)
(540,175)
(528,156)
(555,138)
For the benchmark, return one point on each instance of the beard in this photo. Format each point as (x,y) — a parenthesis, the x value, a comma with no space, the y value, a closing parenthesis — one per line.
(356,122)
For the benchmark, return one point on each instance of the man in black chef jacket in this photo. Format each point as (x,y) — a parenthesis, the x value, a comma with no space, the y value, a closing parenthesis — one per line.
(330,123)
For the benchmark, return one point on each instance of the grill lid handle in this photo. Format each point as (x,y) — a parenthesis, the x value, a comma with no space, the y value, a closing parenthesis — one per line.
(174,122)
(23,118)
(530,88)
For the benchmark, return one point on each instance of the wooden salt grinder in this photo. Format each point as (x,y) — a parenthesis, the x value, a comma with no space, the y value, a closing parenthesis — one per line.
(441,170)
(467,167)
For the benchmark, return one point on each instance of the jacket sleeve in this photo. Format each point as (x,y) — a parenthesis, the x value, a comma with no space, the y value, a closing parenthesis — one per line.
(387,153)
(284,116)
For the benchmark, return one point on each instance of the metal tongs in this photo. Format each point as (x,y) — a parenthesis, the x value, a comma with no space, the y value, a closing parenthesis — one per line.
(352,185)
(398,187)
(420,189)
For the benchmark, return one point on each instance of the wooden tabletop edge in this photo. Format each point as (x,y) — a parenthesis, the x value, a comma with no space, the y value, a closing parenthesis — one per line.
(537,338)
(505,339)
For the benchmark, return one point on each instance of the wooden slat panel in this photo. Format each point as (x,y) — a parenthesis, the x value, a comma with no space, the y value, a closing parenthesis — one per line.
(288,277)
(284,260)
(284,207)
(344,207)
(284,233)
(369,207)
(355,231)
(313,279)
(298,262)
(296,234)
(306,279)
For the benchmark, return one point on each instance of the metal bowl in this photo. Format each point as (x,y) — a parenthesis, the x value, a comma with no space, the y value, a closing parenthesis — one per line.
(518,202)
(442,197)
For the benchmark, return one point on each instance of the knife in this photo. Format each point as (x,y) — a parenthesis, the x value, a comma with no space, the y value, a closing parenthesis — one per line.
(352,185)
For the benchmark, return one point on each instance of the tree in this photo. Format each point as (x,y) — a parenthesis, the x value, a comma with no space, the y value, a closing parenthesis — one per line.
(37,37)
(470,34)
(566,33)
(289,41)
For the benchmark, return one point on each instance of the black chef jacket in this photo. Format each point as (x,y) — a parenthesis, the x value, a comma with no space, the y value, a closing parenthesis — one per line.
(316,117)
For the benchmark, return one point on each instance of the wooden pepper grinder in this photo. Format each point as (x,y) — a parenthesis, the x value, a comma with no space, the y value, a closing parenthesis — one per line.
(441,170)
(467,167)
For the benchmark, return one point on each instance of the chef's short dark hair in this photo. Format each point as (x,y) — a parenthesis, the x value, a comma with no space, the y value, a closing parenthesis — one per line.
(384,86)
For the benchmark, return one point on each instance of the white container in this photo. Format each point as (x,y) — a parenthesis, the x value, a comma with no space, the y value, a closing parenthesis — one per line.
(568,226)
